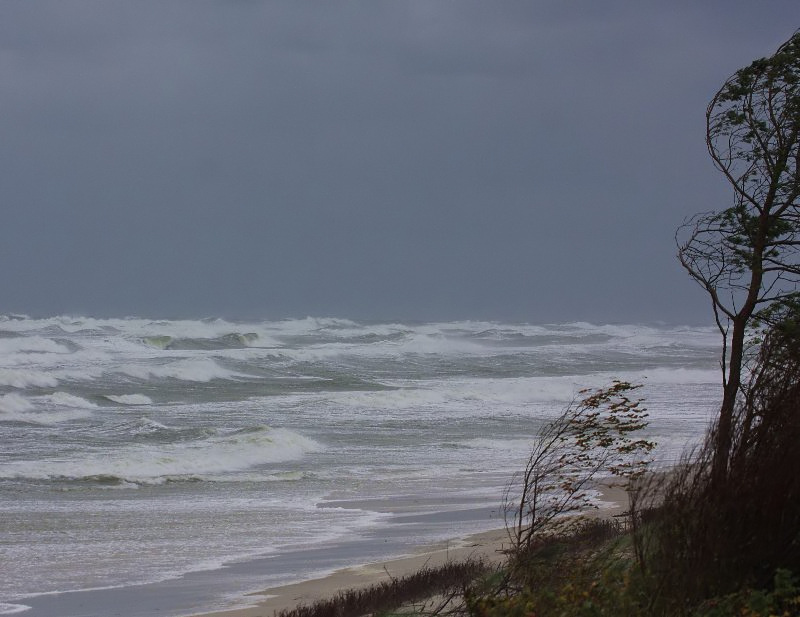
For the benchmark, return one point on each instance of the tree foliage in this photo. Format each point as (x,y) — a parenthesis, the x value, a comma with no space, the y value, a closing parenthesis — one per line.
(747,256)
(593,438)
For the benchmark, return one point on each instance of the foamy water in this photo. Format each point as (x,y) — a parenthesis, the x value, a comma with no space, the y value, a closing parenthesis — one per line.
(138,450)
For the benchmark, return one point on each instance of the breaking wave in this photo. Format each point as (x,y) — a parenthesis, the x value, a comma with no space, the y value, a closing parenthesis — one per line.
(155,464)
(234,340)
(17,408)
(200,370)
(25,378)
(31,344)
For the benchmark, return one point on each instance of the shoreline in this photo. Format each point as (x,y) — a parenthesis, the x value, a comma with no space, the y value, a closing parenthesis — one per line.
(490,545)
(231,586)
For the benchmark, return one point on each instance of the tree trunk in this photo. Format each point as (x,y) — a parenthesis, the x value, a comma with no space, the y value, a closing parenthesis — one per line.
(724,436)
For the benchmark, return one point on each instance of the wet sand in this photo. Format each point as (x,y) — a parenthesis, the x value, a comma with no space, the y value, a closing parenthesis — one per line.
(489,545)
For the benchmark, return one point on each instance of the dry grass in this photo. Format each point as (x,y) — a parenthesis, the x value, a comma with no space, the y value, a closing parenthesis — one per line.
(447,580)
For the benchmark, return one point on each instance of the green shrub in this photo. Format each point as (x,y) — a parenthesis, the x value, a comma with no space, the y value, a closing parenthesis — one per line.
(783,600)
(580,593)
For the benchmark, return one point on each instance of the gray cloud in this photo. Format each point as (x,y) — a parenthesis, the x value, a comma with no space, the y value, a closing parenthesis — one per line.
(420,159)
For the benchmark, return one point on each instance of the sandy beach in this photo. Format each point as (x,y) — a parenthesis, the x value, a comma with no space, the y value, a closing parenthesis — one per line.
(490,545)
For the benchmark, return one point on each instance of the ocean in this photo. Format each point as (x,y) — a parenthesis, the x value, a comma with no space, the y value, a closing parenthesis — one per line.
(136,453)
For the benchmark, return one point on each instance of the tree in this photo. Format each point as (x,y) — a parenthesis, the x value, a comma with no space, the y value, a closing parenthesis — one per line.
(747,257)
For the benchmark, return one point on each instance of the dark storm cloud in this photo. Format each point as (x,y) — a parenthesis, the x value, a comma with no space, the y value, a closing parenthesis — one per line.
(426,159)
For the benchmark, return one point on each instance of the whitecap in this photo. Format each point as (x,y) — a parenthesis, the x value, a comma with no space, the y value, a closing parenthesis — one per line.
(67,400)
(10,609)
(31,344)
(130,399)
(14,407)
(146,425)
(24,378)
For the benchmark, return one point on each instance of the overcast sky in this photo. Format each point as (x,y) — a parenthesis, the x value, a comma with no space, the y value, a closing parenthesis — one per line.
(426,159)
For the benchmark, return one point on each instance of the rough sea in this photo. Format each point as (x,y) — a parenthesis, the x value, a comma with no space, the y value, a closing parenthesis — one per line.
(137,451)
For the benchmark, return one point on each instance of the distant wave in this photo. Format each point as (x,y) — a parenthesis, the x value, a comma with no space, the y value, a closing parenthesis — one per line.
(476,394)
